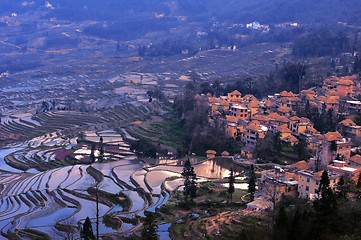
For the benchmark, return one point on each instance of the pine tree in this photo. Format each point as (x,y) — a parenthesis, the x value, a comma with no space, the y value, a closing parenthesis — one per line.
(190,188)
(326,203)
(281,224)
(87,230)
(92,155)
(341,188)
(231,184)
(356,65)
(252,182)
(149,227)
(101,150)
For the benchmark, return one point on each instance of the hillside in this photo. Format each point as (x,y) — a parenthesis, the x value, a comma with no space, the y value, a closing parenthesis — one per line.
(306,11)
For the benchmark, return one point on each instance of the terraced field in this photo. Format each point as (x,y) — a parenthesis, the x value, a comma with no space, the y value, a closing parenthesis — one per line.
(41,203)
(50,182)
(25,125)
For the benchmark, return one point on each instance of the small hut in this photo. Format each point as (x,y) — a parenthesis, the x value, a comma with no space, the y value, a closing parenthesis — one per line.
(225,154)
(211,153)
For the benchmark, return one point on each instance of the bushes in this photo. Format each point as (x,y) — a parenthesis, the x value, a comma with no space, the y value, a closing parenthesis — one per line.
(97,175)
(112,221)
(118,199)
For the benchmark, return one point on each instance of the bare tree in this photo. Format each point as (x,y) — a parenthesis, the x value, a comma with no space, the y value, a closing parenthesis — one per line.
(66,229)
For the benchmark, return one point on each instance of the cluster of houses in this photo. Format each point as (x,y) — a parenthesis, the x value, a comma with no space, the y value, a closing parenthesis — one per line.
(300,180)
(248,119)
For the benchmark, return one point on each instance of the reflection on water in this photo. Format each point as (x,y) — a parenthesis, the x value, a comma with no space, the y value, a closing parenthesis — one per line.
(3,164)
(212,168)
(215,169)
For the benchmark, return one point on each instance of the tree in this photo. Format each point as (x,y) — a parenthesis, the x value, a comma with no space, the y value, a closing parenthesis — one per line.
(87,230)
(149,227)
(252,182)
(359,181)
(302,150)
(281,224)
(66,229)
(265,147)
(101,150)
(231,184)
(341,188)
(92,155)
(277,144)
(190,188)
(326,203)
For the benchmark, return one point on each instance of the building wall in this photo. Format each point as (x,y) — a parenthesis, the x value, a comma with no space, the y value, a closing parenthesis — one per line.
(306,186)
(241,113)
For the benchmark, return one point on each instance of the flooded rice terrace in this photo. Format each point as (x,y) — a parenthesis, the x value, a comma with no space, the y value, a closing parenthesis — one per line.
(36,201)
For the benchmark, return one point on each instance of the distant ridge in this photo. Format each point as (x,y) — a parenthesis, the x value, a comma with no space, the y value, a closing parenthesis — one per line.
(264,11)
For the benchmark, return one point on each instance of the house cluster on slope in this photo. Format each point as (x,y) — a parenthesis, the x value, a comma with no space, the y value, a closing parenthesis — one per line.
(300,180)
(248,119)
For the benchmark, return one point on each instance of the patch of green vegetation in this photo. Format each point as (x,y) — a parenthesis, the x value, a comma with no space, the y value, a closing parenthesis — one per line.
(112,221)
(31,233)
(132,221)
(13,162)
(118,199)
(177,230)
(169,133)
(97,175)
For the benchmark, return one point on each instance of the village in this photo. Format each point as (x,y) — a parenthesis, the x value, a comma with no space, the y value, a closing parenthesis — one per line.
(250,120)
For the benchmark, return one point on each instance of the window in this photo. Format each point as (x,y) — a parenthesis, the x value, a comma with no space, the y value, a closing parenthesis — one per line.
(308,179)
(307,188)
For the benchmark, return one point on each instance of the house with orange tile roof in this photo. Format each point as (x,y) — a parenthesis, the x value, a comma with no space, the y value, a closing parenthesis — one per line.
(332,103)
(299,125)
(309,182)
(284,131)
(268,106)
(308,94)
(262,119)
(291,140)
(345,87)
(298,166)
(254,132)
(235,131)
(276,183)
(224,103)
(333,146)
(249,98)
(240,111)
(290,102)
(214,108)
(341,168)
(330,83)
(276,120)
(349,128)
(285,94)
(253,107)
(284,111)
(235,97)
(312,137)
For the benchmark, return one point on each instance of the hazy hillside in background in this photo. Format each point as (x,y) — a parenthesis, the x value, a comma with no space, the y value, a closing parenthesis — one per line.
(275,11)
